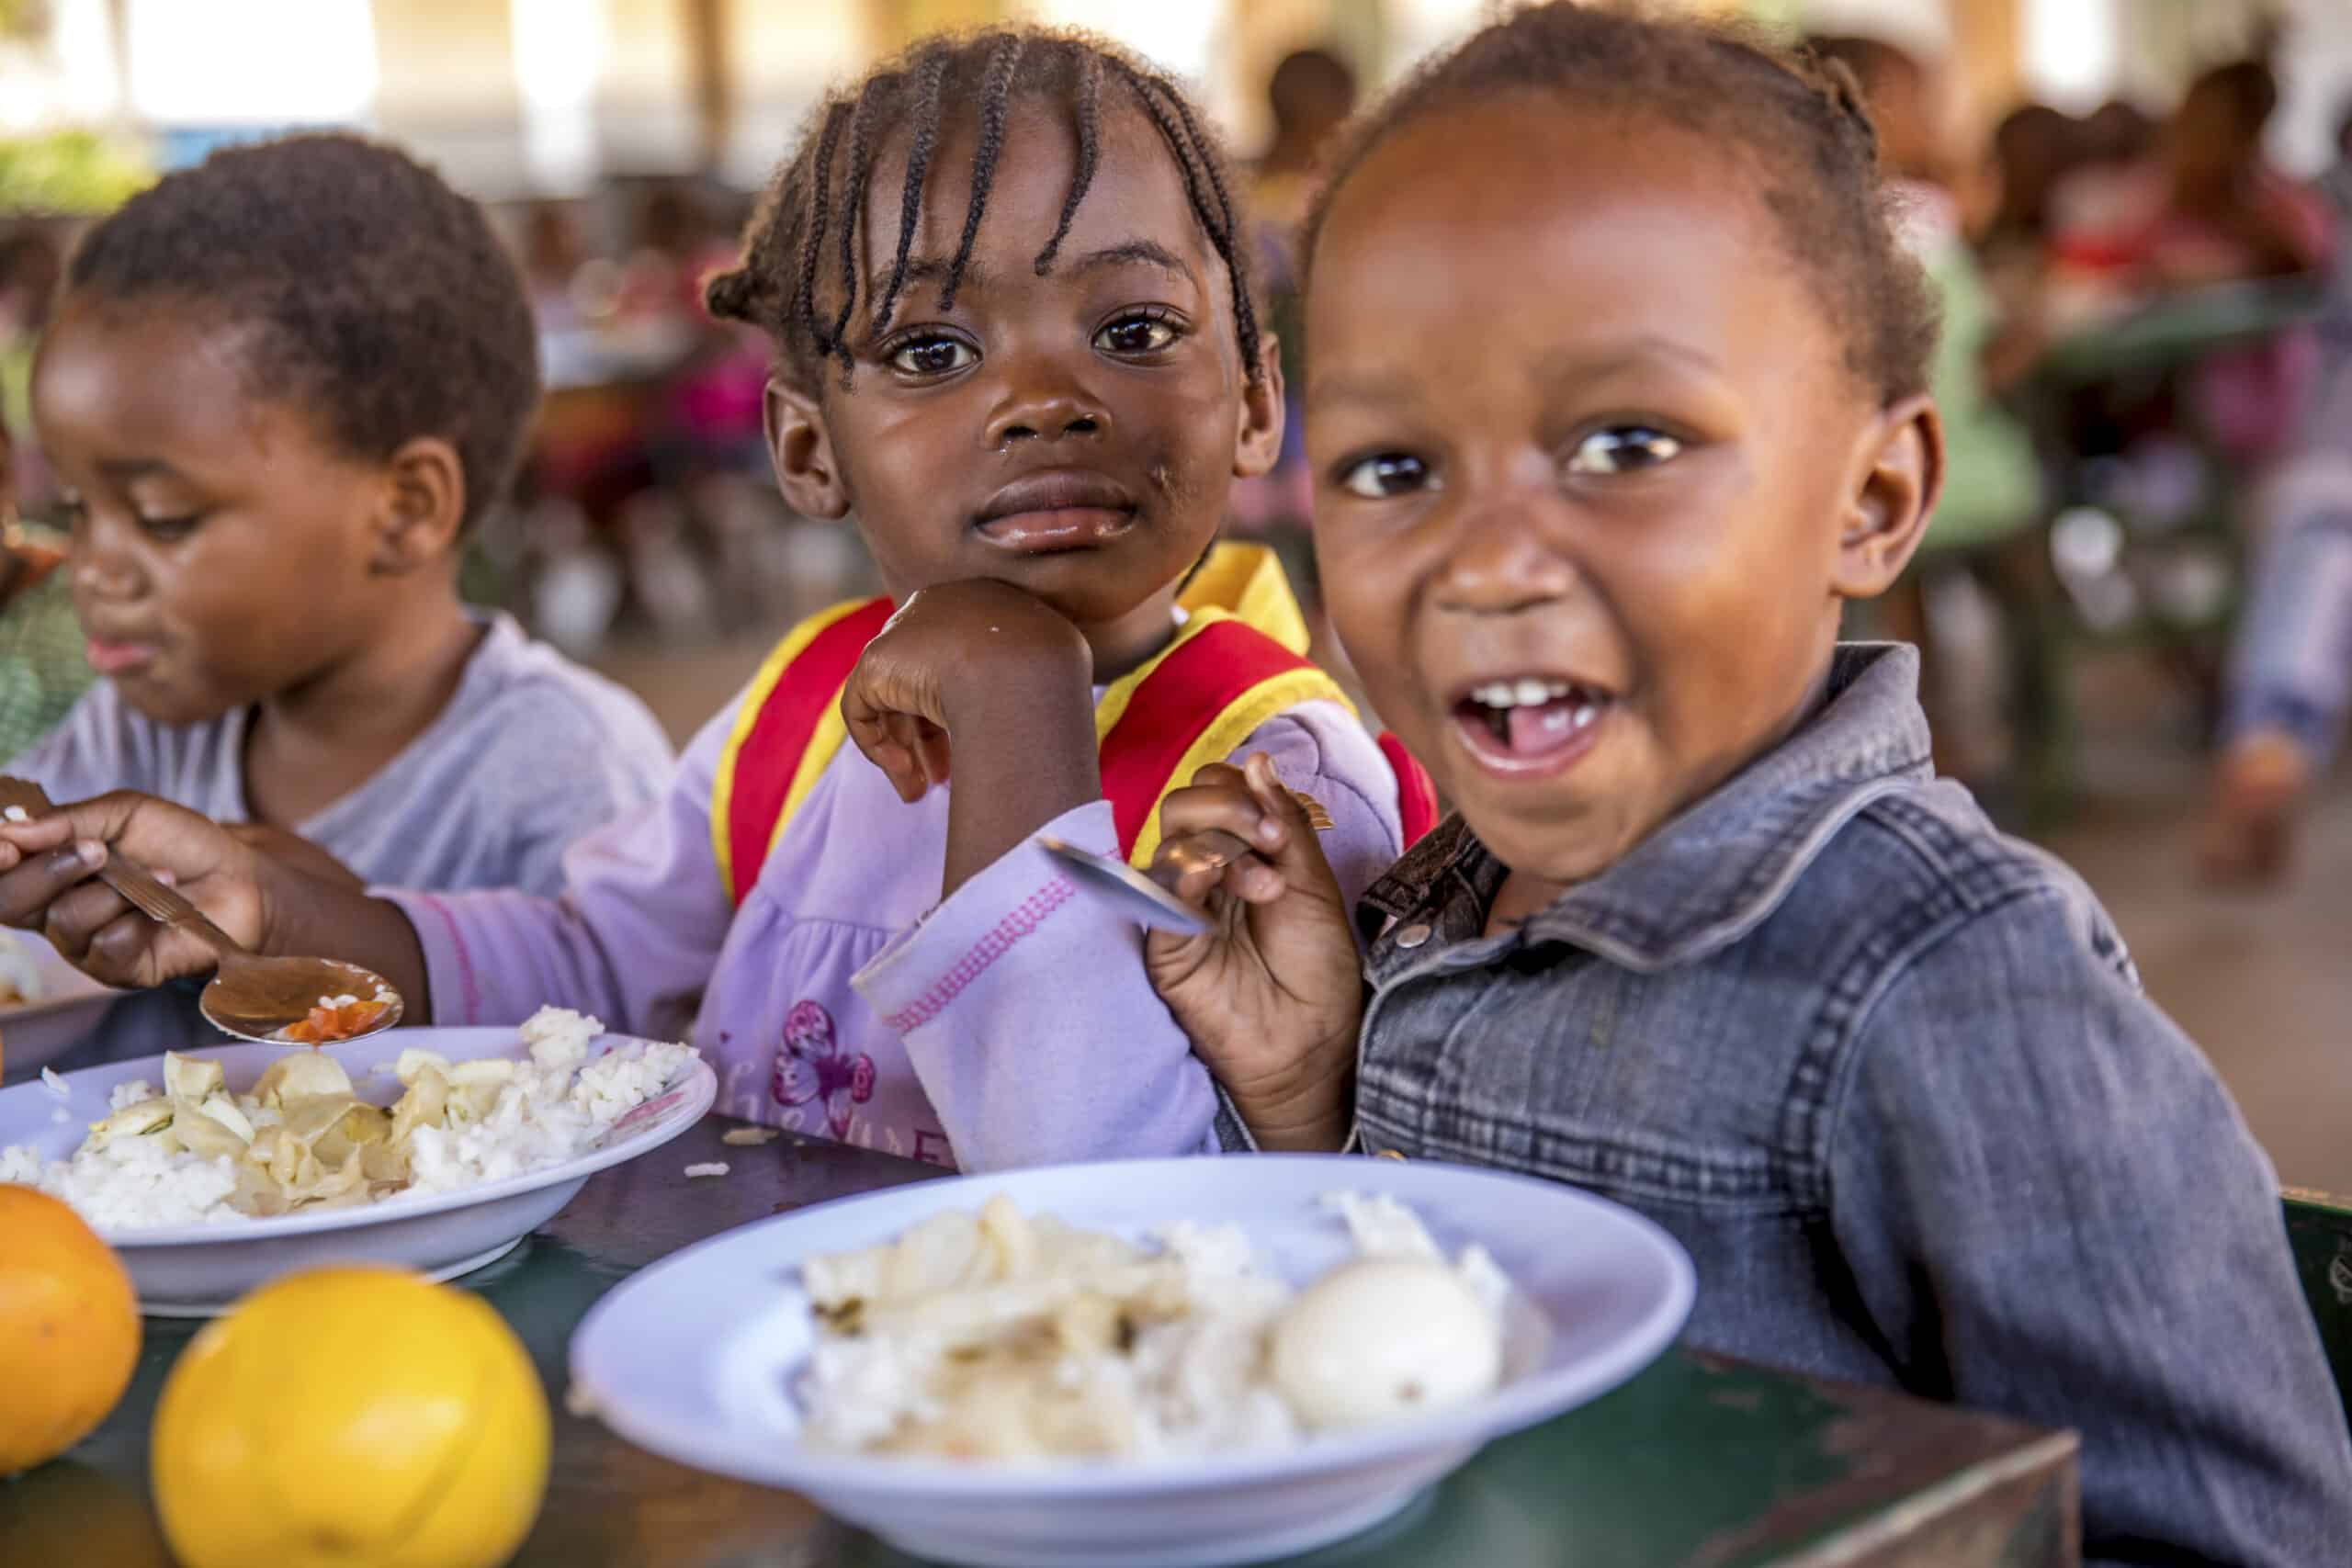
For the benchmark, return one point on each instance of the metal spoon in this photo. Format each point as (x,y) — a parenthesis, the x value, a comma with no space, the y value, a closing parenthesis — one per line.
(1134,893)
(1139,894)
(251,997)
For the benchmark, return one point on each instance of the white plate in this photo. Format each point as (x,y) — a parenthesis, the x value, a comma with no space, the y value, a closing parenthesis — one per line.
(37,1033)
(195,1270)
(692,1359)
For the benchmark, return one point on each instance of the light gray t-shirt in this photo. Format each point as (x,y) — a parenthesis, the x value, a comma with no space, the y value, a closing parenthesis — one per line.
(532,753)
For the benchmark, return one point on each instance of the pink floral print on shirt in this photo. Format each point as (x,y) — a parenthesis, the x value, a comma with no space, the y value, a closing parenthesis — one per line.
(811,1067)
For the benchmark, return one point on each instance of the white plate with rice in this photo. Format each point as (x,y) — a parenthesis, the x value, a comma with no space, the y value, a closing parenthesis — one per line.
(728,1356)
(188,1255)
(47,1006)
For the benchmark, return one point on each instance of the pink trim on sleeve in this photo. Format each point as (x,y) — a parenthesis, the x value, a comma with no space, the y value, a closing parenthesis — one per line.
(1025,919)
(468,983)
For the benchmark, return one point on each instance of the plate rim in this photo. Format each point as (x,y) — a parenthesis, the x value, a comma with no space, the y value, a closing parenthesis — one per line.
(796,1467)
(699,1083)
(68,987)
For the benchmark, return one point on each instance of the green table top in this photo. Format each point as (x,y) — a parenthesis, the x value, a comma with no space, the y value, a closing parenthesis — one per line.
(1698,1460)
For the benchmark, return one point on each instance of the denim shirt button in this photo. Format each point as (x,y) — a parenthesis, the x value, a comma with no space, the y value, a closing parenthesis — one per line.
(1413,935)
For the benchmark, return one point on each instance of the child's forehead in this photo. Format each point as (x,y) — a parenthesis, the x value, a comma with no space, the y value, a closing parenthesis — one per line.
(1560,235)
(155,372)
(1451,179)
(1136,194)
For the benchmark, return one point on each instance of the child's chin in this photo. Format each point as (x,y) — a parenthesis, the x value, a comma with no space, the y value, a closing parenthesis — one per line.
(1092,588)
(1565,845)
(160,702)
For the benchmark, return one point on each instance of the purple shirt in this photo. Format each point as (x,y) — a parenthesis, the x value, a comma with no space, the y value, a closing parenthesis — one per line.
(1012,1025)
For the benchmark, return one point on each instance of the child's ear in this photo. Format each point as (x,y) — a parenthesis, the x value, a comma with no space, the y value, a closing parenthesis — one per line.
(801,448)
(1258,441)
(425,506)
(1896,495)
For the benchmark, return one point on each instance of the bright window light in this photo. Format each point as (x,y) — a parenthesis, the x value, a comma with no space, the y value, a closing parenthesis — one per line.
(2071,50)
(560,49)
(269,62)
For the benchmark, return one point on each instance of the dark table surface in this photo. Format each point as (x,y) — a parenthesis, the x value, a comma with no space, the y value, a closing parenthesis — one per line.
(1698,1460)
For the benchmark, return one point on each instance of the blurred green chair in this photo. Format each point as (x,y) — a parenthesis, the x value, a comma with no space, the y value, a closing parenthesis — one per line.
(2319,1229)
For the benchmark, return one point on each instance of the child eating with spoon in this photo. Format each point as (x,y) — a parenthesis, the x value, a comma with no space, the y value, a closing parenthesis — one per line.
(1707,936)
(1016,339)
(278,391)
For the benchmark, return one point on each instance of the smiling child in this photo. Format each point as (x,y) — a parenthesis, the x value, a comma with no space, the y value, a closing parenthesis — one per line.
(1707,936)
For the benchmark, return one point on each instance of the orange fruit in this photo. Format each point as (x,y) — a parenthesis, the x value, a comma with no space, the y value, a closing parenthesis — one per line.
(355,1417)
(69,1328)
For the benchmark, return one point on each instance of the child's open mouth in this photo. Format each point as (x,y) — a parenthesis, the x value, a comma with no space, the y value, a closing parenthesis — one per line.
(1529,724)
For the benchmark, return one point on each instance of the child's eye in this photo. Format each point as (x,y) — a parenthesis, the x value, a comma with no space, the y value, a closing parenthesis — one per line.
(168,530)
(1385,474)
(1624,450)
(1140,332)
(932,355)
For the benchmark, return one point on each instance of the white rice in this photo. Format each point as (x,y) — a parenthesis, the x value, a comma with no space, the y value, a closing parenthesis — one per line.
(557,1107)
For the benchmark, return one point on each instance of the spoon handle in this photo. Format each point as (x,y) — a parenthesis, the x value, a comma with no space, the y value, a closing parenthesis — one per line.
(163,905)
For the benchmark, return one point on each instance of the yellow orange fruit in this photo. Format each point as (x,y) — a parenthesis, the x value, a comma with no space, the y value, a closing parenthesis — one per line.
(355,1417)
(69,1328)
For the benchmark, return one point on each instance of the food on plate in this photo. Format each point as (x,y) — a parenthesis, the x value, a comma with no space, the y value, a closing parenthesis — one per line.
(713,1168)
(303,1137)
(1340,1357)
(354,1415)
(68,1329)
(19,973)
(1006,1336)
(335,1018)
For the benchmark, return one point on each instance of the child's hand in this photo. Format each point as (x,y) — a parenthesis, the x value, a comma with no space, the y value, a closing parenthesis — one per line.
(1274,993)
(956,656)
(1011,683)
(48,883)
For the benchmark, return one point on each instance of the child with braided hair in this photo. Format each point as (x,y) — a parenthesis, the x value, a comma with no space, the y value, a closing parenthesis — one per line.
(1016,341)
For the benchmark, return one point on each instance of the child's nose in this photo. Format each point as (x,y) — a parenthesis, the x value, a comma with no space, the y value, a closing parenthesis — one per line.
(1048,412)
(102,567)
(1501,559)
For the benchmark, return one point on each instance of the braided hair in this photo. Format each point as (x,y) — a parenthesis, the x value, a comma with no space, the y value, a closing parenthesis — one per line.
(1797,121)
(806,227)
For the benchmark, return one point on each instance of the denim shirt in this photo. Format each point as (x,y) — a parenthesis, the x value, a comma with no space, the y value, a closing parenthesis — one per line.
(1890,1078)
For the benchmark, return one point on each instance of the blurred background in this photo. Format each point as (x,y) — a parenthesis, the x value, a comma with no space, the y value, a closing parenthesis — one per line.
(2137,617)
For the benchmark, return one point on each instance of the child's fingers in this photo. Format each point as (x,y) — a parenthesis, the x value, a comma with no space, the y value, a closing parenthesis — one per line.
(21,841)
(1219,800)
(931,749)
(873,734)
(75,917)
(1196,863)
(29,890)
(1278,803)
(119,950)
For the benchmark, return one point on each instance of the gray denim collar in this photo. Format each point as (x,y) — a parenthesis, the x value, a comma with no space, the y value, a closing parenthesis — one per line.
(1714,873)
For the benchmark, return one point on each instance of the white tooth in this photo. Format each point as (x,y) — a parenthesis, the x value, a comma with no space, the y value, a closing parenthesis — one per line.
(1584,714)
(1532,693)
(1494,694)
(1555,720)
